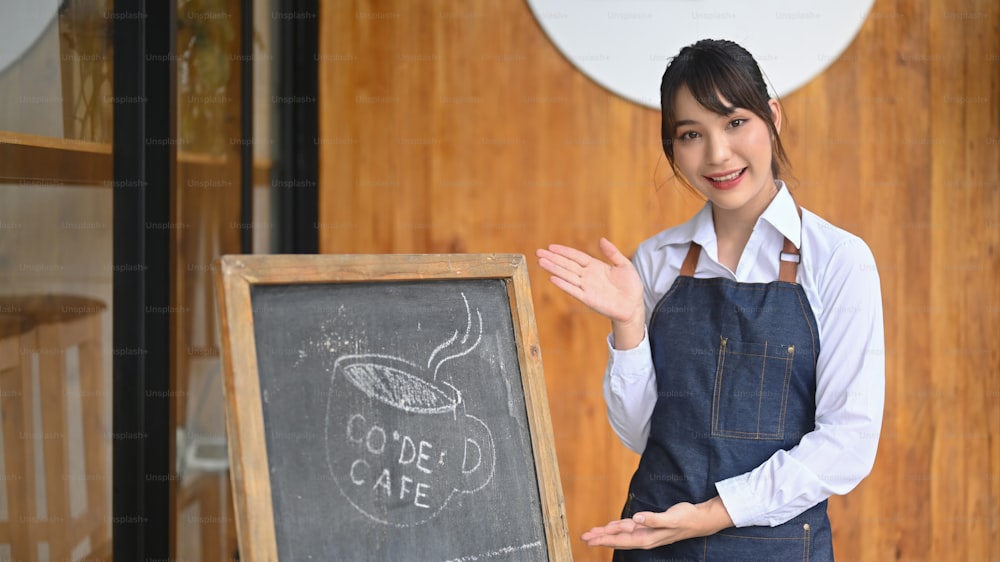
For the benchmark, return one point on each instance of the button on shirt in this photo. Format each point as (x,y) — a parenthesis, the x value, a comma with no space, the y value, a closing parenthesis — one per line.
(837,272)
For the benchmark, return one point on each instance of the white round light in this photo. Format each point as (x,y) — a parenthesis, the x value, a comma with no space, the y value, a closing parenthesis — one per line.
(624,45)
(21,24)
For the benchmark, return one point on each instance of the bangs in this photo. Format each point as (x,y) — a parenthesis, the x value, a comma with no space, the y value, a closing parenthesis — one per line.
(717,83)
(721,76)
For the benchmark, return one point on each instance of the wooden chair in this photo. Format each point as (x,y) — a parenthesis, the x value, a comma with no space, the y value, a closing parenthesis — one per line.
(50,360)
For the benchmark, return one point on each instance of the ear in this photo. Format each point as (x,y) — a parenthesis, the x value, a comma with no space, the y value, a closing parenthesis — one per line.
(776,115)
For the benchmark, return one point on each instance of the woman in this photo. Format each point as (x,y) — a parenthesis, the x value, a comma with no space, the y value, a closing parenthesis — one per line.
(746,360)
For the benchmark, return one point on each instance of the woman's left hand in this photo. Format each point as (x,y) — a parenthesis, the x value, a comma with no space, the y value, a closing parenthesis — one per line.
(646,530)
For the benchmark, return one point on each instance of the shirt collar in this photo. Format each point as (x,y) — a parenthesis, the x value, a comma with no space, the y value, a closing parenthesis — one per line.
(781,214)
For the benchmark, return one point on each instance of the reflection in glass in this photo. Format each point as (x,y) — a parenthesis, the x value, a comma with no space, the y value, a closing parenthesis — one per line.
(55,68)
(55,370)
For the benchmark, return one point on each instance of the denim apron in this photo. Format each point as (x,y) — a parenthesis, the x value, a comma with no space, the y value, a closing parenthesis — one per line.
(736,376)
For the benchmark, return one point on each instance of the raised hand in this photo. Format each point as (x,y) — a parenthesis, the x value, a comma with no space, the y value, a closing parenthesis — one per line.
(611,289)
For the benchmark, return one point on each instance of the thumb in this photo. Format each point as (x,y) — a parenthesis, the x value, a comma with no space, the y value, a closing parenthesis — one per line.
(651,519)
(612,253)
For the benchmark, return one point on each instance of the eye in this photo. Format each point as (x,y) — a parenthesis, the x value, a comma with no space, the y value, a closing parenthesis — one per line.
(687,136)
(738,122)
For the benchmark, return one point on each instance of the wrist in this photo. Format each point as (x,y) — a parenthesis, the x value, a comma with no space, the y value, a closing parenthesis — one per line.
(715,516)
(628,334)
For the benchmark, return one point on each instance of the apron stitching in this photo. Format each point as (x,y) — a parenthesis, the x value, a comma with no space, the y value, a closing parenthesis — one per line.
(760,394)
(717,391)
(785,389)
(805,314)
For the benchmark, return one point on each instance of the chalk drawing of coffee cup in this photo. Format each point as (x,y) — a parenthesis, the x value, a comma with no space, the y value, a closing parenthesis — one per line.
(399,446)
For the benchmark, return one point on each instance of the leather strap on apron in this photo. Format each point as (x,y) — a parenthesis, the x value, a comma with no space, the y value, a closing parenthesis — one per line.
(787,267)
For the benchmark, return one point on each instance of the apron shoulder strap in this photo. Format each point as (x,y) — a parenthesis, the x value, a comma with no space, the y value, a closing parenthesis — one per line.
(787,267)
(691,261)
(789,264)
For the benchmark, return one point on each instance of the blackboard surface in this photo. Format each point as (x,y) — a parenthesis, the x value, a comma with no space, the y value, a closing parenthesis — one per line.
(395,423)
(387,407)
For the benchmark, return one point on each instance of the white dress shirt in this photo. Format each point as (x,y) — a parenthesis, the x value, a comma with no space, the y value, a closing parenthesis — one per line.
(837,272)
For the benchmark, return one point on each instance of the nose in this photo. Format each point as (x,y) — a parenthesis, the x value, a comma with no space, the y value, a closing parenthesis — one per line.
(717,149)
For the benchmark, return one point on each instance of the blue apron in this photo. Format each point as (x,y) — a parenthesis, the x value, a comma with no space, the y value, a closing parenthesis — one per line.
(736,377)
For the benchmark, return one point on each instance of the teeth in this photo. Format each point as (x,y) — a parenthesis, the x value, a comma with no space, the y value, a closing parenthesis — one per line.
(731,176)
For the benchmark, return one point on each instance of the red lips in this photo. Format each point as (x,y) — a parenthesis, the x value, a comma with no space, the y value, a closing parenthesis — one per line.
(732,179)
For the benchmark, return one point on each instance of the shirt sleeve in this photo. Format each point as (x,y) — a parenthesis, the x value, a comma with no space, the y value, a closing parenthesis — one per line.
(850,396)
(630,392)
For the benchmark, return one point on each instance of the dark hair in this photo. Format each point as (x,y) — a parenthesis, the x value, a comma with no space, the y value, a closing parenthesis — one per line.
(714,70)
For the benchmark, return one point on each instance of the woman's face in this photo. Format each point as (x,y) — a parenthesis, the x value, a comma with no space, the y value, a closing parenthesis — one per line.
(725,157)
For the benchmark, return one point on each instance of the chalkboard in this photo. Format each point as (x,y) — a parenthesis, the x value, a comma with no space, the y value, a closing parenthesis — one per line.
(387,407)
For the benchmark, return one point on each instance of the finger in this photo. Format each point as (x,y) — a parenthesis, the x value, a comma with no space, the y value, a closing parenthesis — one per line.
(640,538)
(612,528)
(612,252)
(580,258)
(649,519)
(604,540)
(560,260)
(569,288)
(559,269)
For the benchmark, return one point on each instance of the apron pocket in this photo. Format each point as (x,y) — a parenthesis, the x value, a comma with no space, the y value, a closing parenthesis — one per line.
(750,395)
(760,544)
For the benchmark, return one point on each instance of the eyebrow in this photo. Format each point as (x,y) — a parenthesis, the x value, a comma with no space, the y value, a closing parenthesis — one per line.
(687,122)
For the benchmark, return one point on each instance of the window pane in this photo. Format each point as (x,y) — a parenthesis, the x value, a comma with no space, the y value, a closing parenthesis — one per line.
(207,211)
(55,68)
(55,369)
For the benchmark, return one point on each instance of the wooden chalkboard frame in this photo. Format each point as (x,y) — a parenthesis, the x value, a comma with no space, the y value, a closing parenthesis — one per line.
(250,477)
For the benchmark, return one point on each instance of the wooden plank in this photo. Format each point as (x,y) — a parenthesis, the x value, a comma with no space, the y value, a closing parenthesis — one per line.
(36,160)
(965,206)
(20,497)
(543,446)
(51,351)
(244,419)
(96,446)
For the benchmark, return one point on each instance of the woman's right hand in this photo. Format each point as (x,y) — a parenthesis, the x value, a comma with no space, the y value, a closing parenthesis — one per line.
(611,289)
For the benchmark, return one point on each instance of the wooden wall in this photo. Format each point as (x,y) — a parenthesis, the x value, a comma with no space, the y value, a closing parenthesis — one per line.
(458,127)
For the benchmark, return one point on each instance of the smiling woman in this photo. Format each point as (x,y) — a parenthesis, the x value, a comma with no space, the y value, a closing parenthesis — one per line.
(727,374)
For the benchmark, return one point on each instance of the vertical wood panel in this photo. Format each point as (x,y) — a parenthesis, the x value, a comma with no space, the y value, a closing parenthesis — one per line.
(458,127)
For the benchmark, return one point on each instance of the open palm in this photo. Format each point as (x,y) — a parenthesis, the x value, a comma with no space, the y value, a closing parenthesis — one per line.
(612,289)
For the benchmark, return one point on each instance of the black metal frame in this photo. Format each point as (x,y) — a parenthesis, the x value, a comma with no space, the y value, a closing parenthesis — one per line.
(295,193)
(246,126)
(144,160)
(144,167)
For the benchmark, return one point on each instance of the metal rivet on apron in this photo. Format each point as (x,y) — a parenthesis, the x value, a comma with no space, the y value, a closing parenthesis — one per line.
(805,527)
(791,349)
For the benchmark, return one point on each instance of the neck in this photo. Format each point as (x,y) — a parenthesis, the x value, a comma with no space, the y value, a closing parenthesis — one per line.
(735,225)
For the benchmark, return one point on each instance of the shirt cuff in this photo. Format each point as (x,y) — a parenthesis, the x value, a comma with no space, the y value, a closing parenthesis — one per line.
(739,501)
(628,361)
